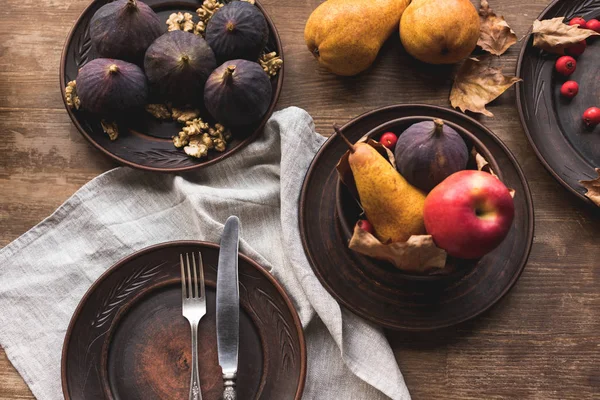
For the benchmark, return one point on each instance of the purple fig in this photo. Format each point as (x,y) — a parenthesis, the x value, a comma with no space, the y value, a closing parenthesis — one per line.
(237,30)
(178,64)
(238,93)
(110,87)
(124,29)
(428,152)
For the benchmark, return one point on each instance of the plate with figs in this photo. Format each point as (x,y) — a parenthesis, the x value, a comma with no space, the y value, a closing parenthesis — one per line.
(416,217)
(128,339)
(171,86)
(559,98)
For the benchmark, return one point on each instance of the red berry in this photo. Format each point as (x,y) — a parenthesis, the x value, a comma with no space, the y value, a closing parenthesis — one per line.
(591,117)
(578,21)
(569,89)
(576,49)
(593,24)
(365,226)
(389,140)
(566,65)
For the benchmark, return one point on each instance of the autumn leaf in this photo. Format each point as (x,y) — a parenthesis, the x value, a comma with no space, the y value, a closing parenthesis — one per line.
(554,36)
(593,188)
(495,35)
(477,84)
(483,165)
(418,254)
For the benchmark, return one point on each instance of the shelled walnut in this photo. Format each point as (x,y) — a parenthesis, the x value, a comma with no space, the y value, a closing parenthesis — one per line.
(159,111)
(110,128)
(180,22)
(271,63)
(197,137)
(71,95)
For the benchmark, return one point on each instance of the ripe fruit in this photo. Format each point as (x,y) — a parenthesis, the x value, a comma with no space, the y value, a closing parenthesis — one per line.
(591,116)
(346,35)
(565,65)
(391,204)
(124,29)
(593,24)
(178,64)
(238,93)
(237,30)
(110,87)
(569,89)
(366,226)
(469,213)
(576,49)
(428,152)
(578,21)
(389,140)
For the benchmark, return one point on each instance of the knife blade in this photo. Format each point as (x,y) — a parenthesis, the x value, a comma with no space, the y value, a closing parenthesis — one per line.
(228,306)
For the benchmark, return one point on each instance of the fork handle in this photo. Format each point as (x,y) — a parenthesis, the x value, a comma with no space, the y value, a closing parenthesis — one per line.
(229,390)
(195,391)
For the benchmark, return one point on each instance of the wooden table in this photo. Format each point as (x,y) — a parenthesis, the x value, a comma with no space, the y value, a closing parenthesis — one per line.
(542,341)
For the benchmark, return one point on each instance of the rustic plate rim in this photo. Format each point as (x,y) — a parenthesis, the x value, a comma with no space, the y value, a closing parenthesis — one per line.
(527,195)
(175,243)
(122,161)
(520,101)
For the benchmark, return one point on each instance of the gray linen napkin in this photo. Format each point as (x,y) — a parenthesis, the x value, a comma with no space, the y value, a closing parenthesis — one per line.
(45,272)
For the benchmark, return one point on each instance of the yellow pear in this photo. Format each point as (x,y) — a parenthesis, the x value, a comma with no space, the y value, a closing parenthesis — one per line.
(392,205)
(440,31)
(346,35)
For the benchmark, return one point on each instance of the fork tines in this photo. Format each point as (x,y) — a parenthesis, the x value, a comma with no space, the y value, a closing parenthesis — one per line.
(191,286)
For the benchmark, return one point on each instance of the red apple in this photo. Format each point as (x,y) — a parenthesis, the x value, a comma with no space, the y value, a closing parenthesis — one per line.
(469,213)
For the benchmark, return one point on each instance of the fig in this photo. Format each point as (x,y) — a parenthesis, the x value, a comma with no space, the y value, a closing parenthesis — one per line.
(237,30)
(110,87)
(178,64)
(124,29)
(238,93)
(428,152)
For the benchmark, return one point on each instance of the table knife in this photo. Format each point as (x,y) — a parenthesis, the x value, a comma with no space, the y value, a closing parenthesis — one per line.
(228,307)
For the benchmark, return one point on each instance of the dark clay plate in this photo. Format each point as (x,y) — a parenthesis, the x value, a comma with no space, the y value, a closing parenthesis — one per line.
(389,297)
(553,125)
(145,142)
(128,339)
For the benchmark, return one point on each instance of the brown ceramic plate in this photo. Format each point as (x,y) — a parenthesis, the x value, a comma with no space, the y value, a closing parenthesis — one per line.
(553,125)
(128,339)
(386,296)
(348,210)
(144,142)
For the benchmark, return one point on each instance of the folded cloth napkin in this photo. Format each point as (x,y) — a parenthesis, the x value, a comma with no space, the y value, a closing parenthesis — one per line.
(45,272)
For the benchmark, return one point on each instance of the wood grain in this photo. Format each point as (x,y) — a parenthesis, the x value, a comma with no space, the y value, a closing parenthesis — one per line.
(540,342)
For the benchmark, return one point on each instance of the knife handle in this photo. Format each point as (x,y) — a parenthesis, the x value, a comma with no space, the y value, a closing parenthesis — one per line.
(229,390)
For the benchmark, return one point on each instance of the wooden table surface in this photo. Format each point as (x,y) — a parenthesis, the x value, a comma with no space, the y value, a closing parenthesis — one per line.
(542,341)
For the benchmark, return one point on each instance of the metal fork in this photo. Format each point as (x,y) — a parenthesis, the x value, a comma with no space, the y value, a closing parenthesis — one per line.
(193,308)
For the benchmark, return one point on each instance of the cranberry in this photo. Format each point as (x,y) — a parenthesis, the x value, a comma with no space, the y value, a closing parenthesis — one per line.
(578,21)
(593,24)
(566,65)
(591,117)
(389,140)
(569,89)
(576,49)
(365,226)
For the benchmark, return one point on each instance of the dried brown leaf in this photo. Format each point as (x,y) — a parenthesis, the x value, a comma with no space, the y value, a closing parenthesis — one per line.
(554,36)
(418,254)
(495,35)
(483,165)
(593,188)
(477,84)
